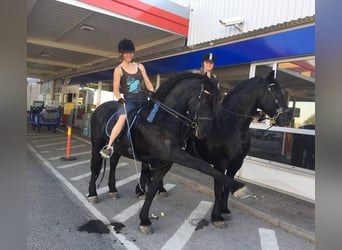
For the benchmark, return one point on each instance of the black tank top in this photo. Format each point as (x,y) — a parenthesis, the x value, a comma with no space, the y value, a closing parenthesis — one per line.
(132,84)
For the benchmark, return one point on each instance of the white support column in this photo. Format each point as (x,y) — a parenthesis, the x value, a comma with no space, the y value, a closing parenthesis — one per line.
(99,90)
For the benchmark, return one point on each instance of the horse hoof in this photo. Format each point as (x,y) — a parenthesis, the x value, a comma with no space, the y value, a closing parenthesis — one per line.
(146,229)
(141,196)
(162,194)
(242,193)
(227,216)
(113,195)
(93,199)
(219,224)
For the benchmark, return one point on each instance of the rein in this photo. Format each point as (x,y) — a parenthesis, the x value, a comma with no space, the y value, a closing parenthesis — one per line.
(278,112)
(175,114)
(181,117)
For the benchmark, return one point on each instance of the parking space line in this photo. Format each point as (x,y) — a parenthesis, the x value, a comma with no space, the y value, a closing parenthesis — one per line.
(121,164)
(82,176)
(268,239)
(58,157)
(52,144)
(73,164)
(48,139)
(42,136)
(126,242)
(128,212)
(135,208)
(184,232)
(119,183)
(73,147)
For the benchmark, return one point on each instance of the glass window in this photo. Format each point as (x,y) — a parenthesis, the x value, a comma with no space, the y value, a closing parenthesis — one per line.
(294,145)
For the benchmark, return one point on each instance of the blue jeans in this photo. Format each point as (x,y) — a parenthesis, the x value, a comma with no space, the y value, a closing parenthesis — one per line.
(132,103)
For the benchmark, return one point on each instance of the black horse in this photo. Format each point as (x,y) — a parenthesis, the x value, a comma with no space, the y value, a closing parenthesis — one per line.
(228,141)
(159,142)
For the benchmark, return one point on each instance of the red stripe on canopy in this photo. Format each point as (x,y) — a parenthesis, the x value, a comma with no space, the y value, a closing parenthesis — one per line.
(145,13)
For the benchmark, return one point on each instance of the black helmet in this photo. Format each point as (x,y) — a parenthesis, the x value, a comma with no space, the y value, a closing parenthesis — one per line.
(126,45)
(209,57)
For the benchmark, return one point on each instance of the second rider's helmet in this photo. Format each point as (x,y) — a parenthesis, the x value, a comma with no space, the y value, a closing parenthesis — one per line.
(126,45)
(209,57)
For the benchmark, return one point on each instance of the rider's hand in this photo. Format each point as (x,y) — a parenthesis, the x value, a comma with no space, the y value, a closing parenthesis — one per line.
(122,101)
(150,94)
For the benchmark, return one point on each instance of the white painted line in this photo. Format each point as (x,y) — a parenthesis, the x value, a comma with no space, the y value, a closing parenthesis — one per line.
(49,139)
(42,136)
(128,212)
(58,157)
(169,186)
(135,208)
(72,147)
(77,137)
(127,243)
(82,176)
(118,183)
(73,164)
(34,134)
(121,164)
(51,144)
(268,239)
(183,234)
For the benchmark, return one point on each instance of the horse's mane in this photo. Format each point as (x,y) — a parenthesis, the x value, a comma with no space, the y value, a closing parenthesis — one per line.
(171,82)
(240,86)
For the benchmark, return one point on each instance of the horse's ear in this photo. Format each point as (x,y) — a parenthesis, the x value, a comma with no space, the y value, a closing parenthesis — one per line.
(270,76)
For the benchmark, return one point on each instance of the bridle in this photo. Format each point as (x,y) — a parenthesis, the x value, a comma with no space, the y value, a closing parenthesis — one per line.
(278,111)
(193,123)
(197,117)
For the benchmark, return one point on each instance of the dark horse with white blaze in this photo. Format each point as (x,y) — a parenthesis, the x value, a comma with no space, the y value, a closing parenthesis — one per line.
(228,141)
(189,99)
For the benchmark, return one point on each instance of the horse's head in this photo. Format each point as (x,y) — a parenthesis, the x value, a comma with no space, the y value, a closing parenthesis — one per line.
(203,111)
(274,103)
(191,98)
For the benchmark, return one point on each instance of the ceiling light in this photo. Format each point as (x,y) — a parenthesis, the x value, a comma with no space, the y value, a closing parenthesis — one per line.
(45,54)
(87,28)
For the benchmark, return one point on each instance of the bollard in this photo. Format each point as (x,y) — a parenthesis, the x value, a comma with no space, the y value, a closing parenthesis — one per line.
(68,157)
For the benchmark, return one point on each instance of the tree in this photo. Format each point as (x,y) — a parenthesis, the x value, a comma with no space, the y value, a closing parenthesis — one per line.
(310,120)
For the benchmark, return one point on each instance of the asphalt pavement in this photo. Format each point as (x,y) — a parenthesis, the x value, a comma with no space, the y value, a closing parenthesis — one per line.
(294,215)
(53,219)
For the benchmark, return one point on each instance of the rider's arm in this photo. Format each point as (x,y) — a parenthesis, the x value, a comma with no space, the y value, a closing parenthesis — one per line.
(147,81)
(116,82)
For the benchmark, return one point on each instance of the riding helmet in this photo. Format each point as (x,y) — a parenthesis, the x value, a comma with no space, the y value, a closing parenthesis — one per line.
(209,57)
(126,45)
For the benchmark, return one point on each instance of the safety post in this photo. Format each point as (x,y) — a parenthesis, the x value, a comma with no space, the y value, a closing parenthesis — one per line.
(68,157)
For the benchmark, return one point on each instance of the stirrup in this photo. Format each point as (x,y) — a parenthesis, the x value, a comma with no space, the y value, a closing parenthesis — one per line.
(106,153)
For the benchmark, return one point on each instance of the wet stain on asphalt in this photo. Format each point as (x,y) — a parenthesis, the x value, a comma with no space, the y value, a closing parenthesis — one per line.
(202,223)
(94,226)
(117,226)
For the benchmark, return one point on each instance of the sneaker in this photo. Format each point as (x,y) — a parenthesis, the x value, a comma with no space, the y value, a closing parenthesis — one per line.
(106,152)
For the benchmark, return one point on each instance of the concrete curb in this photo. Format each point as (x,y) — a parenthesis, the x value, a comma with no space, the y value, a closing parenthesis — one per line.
(295,230)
